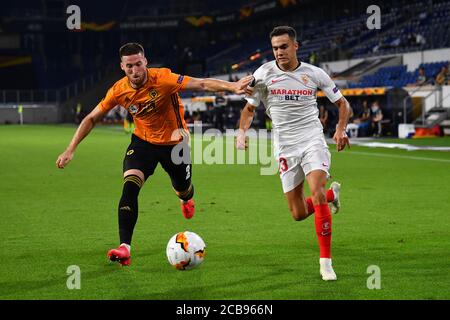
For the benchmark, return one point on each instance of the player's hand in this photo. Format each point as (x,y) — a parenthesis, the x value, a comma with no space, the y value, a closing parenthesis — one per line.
(251,87)
(341,138)
(241,85)
(63,159)
(241,141)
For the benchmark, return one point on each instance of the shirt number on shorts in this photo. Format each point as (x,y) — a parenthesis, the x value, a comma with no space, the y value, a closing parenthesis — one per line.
(188,172)
(283,165)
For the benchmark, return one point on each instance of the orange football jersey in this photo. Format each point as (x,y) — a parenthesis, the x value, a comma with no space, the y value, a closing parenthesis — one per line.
(156,107)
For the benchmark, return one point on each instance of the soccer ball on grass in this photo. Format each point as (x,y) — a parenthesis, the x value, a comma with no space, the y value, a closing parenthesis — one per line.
(185,250)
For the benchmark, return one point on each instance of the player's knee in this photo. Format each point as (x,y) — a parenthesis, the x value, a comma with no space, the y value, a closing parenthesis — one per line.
(134,172)
(186,194)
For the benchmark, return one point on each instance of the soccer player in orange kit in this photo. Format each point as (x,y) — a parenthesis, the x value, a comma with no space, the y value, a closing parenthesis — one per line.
(151,96)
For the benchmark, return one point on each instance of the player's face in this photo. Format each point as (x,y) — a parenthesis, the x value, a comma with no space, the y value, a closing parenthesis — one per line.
(285,51)
(135,67)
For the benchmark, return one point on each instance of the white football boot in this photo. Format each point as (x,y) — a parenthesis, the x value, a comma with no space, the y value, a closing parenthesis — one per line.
(336,204)
(326,270)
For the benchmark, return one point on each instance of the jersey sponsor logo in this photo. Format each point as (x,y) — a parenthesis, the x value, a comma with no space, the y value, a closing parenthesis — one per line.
(297,92)
(147,107)
(180,79)
(143,108)
(276,80)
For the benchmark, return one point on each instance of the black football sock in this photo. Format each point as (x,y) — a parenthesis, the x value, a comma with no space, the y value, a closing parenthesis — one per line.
(128,207)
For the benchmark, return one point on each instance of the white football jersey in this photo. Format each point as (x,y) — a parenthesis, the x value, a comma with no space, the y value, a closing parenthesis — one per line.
(290,99)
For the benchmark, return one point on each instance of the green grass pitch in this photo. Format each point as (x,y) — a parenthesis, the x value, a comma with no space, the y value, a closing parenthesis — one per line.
(395,215)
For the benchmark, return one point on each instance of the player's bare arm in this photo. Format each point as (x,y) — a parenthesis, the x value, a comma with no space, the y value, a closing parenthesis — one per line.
(210,84)
(83,130)
(340,135)
(245,122)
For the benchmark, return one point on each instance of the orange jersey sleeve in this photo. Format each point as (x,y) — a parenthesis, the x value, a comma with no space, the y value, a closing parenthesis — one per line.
(171,81)
(109,101)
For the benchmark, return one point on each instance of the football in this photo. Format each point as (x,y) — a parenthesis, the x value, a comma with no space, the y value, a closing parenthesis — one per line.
(185,250)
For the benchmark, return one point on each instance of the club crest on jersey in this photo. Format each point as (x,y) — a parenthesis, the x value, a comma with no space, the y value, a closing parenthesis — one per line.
(133,109)
(153,94)
(305,79)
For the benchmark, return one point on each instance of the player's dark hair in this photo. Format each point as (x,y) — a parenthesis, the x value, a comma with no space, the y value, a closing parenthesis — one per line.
(131,48)
(280,30)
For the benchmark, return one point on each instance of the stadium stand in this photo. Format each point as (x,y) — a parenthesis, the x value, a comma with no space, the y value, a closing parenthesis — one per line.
(420,26)
(397,76)
(222,39)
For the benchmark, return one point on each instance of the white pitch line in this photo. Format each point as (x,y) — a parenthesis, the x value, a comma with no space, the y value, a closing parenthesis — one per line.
(253,143)
(392,156)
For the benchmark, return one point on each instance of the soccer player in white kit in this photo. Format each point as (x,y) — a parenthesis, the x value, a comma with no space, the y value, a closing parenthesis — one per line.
(287,88)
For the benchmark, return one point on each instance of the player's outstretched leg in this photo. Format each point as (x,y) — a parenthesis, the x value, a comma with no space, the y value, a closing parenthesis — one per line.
(323,221)
(128,214)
